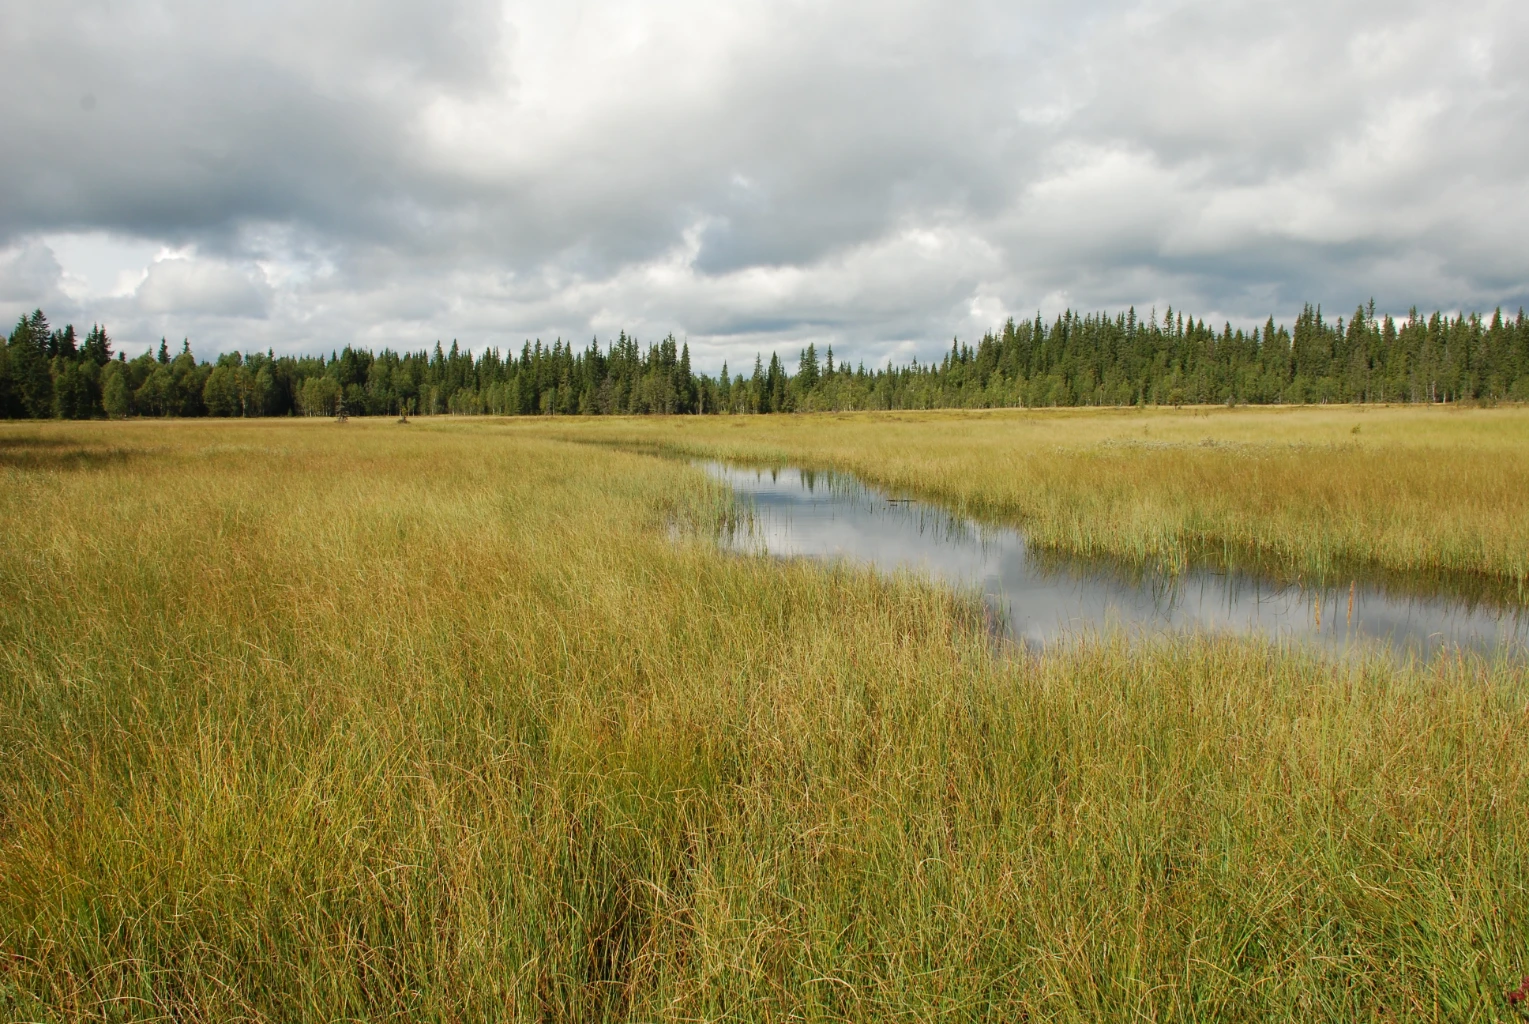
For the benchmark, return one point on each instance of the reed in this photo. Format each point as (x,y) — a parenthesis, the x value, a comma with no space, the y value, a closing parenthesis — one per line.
(450,722)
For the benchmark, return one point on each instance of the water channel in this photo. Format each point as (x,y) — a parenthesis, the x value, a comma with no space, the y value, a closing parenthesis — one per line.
(1041,597)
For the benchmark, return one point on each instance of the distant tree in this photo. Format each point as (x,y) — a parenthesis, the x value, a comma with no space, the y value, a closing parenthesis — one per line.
(1077,359)
(98,345)
(74,388)
(30,371)
(758,393)
(63,343)
(685,387)
(255,391)
(807,368)
(156,395)
(320,396)
(221,392)
(775,380)
(114,393)
(10,403)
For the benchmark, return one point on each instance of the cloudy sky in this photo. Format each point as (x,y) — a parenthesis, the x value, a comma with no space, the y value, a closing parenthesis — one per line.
(305,174)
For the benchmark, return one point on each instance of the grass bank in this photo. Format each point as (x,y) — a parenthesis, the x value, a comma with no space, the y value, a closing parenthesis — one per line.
(309,722)
(1407,492)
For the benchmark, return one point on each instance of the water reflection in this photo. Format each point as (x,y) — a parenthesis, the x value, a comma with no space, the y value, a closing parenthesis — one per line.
(1041,596)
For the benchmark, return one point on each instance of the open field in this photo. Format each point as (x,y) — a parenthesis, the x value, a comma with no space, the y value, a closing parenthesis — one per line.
(302,721)
(1299,492)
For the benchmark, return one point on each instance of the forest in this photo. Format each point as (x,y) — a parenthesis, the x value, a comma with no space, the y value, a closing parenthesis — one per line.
(1078,359)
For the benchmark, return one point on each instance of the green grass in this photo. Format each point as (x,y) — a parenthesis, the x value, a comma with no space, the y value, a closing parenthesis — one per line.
(301,721)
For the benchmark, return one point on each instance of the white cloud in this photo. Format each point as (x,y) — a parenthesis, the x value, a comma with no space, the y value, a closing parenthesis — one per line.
(97,265)
(194,286)
(30,275)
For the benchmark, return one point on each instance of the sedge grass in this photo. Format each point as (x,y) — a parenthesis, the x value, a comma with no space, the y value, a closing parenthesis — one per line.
(309,722)
(1424,494)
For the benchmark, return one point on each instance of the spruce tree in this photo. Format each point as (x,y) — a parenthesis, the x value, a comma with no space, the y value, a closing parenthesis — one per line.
(98,345)
(807,369)
(31,379)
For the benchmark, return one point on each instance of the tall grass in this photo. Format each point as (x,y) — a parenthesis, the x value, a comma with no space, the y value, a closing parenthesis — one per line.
(368,722)
(1300,492)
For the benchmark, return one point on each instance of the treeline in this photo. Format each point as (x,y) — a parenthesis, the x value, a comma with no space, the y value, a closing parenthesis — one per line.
(1092,359)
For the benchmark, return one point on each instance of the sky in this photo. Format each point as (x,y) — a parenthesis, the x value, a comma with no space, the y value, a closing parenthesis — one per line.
(300,175)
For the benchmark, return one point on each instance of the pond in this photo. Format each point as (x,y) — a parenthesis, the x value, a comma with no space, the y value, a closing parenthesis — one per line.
(1040,596)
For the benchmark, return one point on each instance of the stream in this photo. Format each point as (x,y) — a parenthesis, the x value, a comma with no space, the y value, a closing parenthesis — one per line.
(1039,597)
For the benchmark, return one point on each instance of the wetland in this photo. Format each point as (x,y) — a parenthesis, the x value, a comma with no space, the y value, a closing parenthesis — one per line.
(1039,596)
(473,719)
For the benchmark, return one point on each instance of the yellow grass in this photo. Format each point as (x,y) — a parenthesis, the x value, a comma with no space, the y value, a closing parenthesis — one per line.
(311,722)
(1302,492)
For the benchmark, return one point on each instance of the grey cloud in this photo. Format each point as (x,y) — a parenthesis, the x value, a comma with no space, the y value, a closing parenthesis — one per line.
(1360,140)
(755,175)
(205,116)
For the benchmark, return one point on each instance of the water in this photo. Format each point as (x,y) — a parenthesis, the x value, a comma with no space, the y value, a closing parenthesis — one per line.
(1040,598)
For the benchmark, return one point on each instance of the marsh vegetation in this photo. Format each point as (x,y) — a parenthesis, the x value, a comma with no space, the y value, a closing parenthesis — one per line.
(1298,493)
(472,720)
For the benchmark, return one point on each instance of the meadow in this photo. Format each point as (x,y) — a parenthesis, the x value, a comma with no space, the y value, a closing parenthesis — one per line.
(471,720)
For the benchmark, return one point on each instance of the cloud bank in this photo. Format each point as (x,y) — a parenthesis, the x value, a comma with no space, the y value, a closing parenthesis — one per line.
(753,175)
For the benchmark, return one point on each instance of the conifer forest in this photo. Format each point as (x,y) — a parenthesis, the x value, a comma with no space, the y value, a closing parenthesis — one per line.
(1075,360)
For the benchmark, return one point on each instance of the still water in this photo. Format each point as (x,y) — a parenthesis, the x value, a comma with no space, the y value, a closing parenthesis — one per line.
(799,513)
